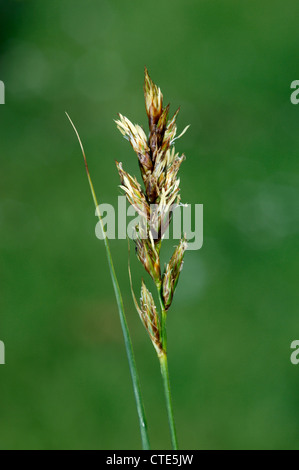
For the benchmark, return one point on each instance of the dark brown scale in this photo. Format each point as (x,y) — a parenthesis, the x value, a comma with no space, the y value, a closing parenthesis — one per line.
(153,143)
(151,189)
(145,161)
(152,121)
(161,126)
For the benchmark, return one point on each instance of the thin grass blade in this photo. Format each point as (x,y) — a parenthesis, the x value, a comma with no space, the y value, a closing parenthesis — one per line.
(123,321)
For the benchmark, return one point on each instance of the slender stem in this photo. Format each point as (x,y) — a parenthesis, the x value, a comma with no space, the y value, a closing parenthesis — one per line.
(163,318)
(166,383)
(123,321)
(165,373)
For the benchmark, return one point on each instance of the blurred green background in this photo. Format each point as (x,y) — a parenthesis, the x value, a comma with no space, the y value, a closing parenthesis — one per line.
(229,66)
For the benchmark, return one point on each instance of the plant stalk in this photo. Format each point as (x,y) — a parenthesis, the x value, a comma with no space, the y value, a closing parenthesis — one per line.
(165,373)
(123,321)
(166,384)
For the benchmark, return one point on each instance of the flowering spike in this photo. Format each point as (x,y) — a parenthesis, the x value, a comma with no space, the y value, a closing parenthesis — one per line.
(159,164)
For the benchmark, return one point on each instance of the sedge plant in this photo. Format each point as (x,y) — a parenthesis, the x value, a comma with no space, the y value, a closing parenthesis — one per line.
(154,202)
(159,165)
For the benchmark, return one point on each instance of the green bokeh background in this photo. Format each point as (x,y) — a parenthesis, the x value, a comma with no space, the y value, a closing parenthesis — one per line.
(229,66)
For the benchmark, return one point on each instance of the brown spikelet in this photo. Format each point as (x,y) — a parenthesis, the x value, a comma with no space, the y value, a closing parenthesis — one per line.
(172,273)
(150,317)
(153,100)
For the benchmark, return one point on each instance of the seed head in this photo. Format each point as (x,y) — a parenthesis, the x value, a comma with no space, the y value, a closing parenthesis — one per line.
(159,165)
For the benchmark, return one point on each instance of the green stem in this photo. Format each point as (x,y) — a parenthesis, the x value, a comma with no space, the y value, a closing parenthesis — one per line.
(165,373)
(166,383)
(123,321)
(130,353)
